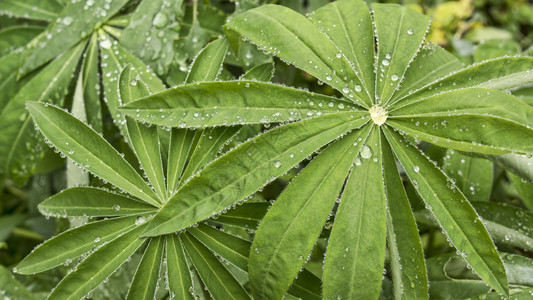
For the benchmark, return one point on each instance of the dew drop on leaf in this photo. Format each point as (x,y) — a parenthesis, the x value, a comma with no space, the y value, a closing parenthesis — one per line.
(366,152)
(277,164)
(416,169)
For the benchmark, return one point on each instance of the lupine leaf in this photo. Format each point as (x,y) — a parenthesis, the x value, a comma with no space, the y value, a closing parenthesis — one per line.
(221,284)
(405,249)
(83,145)
(521,165)
(92,202)
(349,26)
(144,283)
(400,32)
(231,103)
(11,288)
(42,10)
(356,248)
(453,212)
(493,123)
(248,215)
(263,72)
(179,275)
(222,184)
(98,266)
(306,286)
(290,229)
(74,23)
(72,243)
(208,64)
(524,189)
(8,77)
(19,142)
(280,31)
(501,73)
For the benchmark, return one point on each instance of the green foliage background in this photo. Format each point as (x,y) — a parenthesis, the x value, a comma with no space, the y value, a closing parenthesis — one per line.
(90,57)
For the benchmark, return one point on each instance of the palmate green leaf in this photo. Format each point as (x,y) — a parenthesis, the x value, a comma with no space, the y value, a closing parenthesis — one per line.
(348,24)
(75,22)
(228,180)
(83,145)
(431,63)
(179,276)
(493,123)
(144,283)
(15,37)
(281,31)
(472,175)
(452,211)
(356,248)
(98,266)
(72,243)
(233,249)
(398,40)
(157,21)
(208,63)
(42,10)
(11,288)
(219,281)
(306,286)
(501,73)
(403,242)
(231,103)
(519,269)
(289,231)
(92,202)
(19,142)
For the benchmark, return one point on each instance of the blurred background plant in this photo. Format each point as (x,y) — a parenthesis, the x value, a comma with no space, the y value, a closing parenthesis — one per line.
(47,45)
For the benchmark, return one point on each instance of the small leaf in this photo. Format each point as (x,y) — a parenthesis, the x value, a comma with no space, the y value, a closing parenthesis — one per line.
(248,215)
(219,281)
(222,184)
(400,32)
(16,37)
(263,72)
(91,79)
(231,103)
(455,215)
(11,288)
(353,267)
(179,275)
(98,266)
(289,231)
(72,243)
(208,64)
(92,202)
(83,145)
(144,283)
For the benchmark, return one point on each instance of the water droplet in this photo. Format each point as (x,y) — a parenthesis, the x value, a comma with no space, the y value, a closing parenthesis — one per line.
(277,164)
(339,55)
(140,221)
(97,239)
(71,151)
(345,90)
(160,20)
(416,169)
(329,78)
(366,152)
(116,207)
(410,31)
(358,88)
(394,77)
(385,62)
(106,44)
